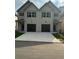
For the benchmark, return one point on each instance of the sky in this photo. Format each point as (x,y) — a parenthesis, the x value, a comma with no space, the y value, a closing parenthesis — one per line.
(38,3)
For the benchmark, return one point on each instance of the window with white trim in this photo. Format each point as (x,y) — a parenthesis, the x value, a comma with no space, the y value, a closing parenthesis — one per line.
(46,14)
(31,14)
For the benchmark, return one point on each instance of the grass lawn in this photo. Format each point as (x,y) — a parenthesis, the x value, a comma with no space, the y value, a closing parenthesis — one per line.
(17,34)
(59,36)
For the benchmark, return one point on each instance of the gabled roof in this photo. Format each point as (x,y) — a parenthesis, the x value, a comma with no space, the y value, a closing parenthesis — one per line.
(54,6)
(43,5)
(51,4)
(28,3)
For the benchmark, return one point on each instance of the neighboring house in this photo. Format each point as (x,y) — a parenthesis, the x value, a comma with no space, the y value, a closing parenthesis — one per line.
(32,19)
(16,22)
(60,23)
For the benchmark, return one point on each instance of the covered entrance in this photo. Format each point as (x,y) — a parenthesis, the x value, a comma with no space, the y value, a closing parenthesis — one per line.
(45,27)
(31,27)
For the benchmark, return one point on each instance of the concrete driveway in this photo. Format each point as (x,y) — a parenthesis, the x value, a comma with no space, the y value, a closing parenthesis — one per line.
(38,50)
(37,36)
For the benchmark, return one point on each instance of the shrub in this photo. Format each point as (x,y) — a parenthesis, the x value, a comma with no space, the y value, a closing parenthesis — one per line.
(17,34)
(59,36)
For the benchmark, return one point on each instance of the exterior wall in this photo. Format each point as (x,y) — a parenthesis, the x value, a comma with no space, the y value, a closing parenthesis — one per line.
(38,20)
(30,20)
(47,20)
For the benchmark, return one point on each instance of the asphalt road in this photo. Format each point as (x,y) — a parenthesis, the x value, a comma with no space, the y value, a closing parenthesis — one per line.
(38,50)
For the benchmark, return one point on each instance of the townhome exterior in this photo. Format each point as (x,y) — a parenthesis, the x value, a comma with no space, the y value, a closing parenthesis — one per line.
(33,19)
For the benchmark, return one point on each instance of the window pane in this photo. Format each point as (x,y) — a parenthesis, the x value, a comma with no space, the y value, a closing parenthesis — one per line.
(33,14)
(28,14)
(43,14)
(48,14)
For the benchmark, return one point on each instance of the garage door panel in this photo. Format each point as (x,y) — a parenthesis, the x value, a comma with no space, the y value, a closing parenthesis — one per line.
(31,27)
(45,27)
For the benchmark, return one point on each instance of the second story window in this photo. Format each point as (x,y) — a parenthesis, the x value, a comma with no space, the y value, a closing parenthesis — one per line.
(46,14)
(21,14)
(43,14)
(28,14)
(31,14)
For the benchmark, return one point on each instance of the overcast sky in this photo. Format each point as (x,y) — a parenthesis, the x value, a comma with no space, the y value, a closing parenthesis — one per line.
(38,3)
